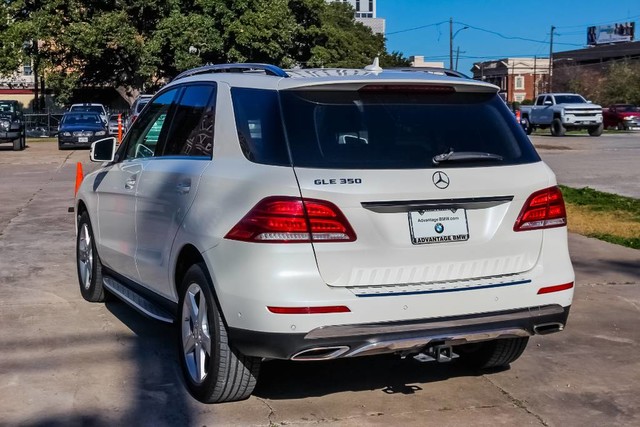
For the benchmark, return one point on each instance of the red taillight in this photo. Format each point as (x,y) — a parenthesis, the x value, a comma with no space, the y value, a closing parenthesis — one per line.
(556,288)
(281,219)
(310,310)
(543,209)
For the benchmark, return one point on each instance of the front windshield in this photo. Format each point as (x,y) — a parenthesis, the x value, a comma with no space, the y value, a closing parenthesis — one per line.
(88,108)
(81,119)
(570,99)
(7,107)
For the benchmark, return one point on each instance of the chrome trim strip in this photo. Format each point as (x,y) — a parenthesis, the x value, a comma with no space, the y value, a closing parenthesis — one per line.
(441,291)
(427,325)
(425,205)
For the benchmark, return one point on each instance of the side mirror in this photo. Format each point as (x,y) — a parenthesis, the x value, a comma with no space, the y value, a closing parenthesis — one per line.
(589,102)
(548,102)
(103,150)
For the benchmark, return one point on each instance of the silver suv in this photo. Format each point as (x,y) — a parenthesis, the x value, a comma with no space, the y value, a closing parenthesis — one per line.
(320,214)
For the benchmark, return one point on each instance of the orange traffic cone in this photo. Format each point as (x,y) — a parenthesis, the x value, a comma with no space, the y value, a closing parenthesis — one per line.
(79,177)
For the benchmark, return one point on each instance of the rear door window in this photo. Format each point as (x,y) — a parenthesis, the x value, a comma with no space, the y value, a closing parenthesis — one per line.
(191,132)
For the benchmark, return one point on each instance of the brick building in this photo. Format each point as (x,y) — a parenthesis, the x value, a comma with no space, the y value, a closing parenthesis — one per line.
(518,78)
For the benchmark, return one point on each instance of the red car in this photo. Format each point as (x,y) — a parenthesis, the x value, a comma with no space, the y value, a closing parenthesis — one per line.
(622,116)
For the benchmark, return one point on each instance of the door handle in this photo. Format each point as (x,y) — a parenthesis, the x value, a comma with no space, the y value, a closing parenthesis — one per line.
(130,182)
(183,187)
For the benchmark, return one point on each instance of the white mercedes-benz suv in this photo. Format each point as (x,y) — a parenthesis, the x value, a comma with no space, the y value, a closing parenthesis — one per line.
(319,214)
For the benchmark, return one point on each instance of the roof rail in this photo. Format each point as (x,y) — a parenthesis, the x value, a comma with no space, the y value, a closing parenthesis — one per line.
(268,69)
(435,70)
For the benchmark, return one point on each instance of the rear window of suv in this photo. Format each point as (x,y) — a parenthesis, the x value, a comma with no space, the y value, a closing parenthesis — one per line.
(385,129)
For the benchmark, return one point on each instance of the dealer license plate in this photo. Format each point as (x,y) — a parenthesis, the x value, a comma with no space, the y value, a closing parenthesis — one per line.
(83,139)
(438,226)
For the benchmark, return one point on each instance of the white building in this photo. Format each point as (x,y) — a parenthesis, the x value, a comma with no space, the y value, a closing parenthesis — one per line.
(366,13)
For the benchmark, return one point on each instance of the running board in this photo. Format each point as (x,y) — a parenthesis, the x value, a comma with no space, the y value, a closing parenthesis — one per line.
(136,300)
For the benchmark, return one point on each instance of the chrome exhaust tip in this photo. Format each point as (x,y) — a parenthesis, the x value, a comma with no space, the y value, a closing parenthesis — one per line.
(320,353)
(548,328)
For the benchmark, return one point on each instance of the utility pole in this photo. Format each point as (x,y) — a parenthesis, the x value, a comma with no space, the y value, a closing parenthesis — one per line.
(457,56)
(535,83)
(450,43)
(551,59)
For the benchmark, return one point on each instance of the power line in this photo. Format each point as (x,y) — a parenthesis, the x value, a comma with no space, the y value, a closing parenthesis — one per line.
(513,37)
(416,28)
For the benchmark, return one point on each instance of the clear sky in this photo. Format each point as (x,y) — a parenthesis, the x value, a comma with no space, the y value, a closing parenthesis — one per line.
(530,19)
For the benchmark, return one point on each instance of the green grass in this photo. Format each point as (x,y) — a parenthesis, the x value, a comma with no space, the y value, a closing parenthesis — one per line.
(600,201)
(623,241)
(604,216)
(36,140)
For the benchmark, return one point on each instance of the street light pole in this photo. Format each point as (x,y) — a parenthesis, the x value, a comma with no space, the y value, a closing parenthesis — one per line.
(450,43)
(452,36)
(551,59)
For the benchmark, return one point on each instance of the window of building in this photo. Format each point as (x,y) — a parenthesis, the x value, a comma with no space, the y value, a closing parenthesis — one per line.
(519,97)
(357,5)
(370,5)
(27,70)
(519,82)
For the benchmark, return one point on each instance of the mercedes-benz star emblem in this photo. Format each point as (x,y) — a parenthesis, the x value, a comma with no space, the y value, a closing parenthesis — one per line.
(440,180)
(439,228)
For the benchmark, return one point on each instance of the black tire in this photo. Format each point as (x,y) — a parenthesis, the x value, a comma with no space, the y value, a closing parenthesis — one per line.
(17,144)
(492,354)
(596,131)
(621,126)
(557,129)
(88,263)
(23,144)
(226,374)
(526,125)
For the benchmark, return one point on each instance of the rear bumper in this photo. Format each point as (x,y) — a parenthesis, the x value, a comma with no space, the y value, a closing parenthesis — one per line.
(330,342)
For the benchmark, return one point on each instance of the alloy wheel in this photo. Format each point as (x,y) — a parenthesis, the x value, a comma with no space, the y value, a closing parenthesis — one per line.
(85,256)
(195,333)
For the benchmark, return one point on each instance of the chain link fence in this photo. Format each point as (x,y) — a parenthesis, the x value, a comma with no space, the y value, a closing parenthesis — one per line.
(45,125)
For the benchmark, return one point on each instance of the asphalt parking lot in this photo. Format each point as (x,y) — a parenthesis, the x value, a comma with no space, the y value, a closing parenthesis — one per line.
(64,361)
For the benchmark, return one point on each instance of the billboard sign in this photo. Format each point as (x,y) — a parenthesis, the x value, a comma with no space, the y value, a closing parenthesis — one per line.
(614,33)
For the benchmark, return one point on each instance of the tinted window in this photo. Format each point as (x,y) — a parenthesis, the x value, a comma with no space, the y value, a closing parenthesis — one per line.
(81,119)
(141,105)
(259,126)
(540,100)
(569,99)
(90,108)
(191,132)
(148,129)
(399,130)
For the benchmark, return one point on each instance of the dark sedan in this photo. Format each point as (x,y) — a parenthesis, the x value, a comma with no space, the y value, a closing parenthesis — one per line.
(80,130)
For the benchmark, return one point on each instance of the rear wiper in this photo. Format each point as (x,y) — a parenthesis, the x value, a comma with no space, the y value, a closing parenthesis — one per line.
(462,156)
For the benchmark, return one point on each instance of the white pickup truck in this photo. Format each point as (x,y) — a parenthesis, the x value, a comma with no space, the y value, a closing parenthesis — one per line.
(561,112)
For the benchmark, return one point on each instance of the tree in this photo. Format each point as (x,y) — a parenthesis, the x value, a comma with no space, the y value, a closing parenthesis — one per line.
(139,44)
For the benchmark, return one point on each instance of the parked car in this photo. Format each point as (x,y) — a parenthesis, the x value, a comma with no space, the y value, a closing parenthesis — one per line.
(90,108)
(137,107)
(622,117)
(113,124)
(12,125)
(561,112)
(347,213)
(80,129)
